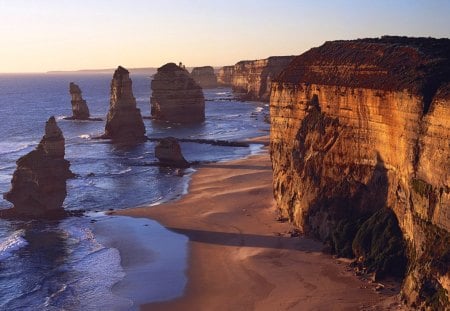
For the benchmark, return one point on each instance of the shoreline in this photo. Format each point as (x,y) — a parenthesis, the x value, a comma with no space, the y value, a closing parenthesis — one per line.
(241,258)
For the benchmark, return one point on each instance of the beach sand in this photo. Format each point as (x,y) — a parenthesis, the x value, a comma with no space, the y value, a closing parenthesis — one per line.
(241,258)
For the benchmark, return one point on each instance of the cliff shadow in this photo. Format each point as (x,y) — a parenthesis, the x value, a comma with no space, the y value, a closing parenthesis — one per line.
(250,240)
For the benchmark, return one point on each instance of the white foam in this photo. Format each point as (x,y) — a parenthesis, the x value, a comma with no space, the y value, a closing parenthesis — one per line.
(12,243)
(121,172)
(85,136)
(259,109)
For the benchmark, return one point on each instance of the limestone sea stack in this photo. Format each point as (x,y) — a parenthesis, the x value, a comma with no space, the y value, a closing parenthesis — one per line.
(252,79)
(39,182)
(204,76)
(225,76)
(176,97)
(361,157)
(168,152)
(124,121)
(80,110)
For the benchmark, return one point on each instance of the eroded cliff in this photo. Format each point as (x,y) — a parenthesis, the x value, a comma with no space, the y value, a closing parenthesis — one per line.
(361,128)
(252,79)
(225,75)
(204,76)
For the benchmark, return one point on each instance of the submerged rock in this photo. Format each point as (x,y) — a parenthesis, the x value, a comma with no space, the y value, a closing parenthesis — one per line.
(39,182)
(168,152)
(124,121)
(204,76)
(176,97)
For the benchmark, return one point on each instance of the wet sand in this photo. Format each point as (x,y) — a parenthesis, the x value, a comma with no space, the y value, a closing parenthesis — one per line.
(241,258)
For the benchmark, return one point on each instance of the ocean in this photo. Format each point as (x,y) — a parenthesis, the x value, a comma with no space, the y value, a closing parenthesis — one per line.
(78,263)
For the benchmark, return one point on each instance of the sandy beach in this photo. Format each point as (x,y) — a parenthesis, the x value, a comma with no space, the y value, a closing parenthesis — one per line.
(241,258)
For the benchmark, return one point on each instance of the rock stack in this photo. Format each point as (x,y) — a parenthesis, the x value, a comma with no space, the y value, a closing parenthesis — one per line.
(39,182)
(176,97)
(124,121)
(225,76)
(80,110)
(168,152)
(205,76)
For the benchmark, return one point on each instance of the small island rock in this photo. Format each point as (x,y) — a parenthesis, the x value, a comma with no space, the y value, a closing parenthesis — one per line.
(204,76)
(168,152)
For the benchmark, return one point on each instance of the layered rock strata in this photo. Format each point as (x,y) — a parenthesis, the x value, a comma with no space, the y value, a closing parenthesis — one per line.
(168,152)
(252,79)
(124,121)
(363,125)
(39,182)
(176,97)
(225,76)
(204,76)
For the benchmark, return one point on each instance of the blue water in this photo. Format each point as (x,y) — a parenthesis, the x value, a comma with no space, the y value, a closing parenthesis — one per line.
(73,264)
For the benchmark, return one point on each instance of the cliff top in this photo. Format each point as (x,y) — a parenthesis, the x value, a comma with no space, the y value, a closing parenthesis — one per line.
(170,67)
(420,65)
(269,59)
(203,68)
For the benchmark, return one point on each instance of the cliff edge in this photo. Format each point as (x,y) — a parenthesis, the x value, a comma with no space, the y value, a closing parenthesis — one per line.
(360,150)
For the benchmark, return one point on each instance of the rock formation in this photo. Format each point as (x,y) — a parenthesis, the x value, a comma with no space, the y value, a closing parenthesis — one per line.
(361,128)
(168,152)
(252,79)
(225,76)
(124,121)
(80,110)
(39,182)
(204,76)
(176,97)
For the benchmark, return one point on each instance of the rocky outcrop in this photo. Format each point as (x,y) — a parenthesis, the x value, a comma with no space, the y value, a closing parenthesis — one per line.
(252,79)
(39,182)
(124,121)
(360,128)
(225,76)
(168,152)
(204,76)
(176,97)
(80,110)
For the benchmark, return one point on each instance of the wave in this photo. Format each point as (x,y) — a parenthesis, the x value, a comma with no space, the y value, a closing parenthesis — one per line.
(12,243)
(259,109)
(128,169)
(85,136)
(13,147)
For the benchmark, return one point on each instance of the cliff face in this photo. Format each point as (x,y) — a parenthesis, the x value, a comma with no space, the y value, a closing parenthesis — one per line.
(80,109)
(124,121)
(360,126)
(39,182)
(176,97)
(225,76)
(204,76)
(252,79)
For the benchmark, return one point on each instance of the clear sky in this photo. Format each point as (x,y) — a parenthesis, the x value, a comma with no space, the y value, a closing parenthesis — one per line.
(42,35)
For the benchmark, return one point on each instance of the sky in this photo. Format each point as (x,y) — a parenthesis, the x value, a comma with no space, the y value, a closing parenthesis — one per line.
(44,35)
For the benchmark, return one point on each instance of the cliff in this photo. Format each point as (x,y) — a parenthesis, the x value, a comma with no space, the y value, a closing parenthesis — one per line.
(204,76)
(124,121)
(176,97)
(225,76)
(39,182)
(360,151)
(252,79)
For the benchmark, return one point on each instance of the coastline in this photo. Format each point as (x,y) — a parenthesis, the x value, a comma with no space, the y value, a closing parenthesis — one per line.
(241,258)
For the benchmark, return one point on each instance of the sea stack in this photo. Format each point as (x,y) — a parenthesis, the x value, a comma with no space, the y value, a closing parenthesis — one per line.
(80,110)
(204,76)
(124,121)
(168,152)
(176,97)
(39,182)
(225,76)
(360,151)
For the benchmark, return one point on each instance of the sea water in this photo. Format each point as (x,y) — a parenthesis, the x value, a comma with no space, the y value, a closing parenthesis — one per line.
(76,263)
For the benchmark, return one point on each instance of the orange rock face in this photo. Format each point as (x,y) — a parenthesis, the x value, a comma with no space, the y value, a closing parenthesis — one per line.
(362,125)
(225,75)
(252,79)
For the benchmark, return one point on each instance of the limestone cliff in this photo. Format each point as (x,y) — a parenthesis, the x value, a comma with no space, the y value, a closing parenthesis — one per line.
(176,97)
(252,79)
(204,76)
(39,182)
(360,126)
(124,121)
(225,75)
